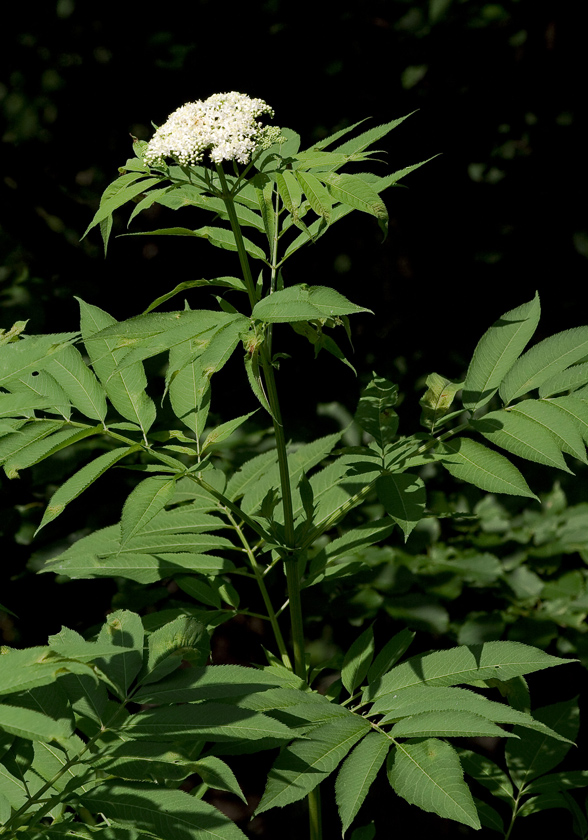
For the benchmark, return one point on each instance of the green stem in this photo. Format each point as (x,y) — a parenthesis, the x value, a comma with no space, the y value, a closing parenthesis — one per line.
(314,814)
(257,570)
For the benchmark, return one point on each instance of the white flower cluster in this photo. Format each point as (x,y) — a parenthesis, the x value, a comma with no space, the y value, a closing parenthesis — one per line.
(224,124)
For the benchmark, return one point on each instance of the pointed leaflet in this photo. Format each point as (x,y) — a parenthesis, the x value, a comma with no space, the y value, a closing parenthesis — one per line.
(78,482)
(464,664)
(375,413)
(357,774)
(42,384)
(126,388)
(304,764)
(224,282)
(467,460)
(32,725)
(386,659)
(452,722)
(120,191)
(166,814)
(543,361)
(183,639)
(189,393)
(522,436)
(427,773)
(147,499)
(568,380)
(577,410)
(367,138)
(357,660)
(318,197)
(404,497)
(123,630)
(488,774)
(497,351)
(224,431)
(19,358)
(437,399)
(48,445)
(79,383)
(304,303)
(536,753)
(219,237)
(353,191)
(548,414)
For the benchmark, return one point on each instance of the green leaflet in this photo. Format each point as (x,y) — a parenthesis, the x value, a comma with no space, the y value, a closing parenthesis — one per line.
(469,461)
(497,351)
(304,303)
(452,722)
(427,773)
(465,664)
(404,498)
(32,725)
(35,430)
(183,638)
(190,394)
(250,473)
(357,660)
(78,482)
(38,450)
(19,358)
(167,814)
(357,774)
(79,383)
(318,197)
(366,138)
(485,771)
(125,389)
(219,237)
(375,412)
(146,501)
(224,431)
(356,193)
(549,415)
(521,435)
(536,753)
(567,380)
(437,399)
(223,282)
(386,659)
(123,631)
(42,384)
(21,670)
(543,361)
(121,191)
(304,764)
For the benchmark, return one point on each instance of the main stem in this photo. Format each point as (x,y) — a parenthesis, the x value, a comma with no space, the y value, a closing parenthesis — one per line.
(291,564)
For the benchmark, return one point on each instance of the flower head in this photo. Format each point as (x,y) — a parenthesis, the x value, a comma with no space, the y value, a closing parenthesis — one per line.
(224,125)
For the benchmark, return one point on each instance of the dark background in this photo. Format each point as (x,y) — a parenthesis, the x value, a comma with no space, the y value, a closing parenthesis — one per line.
(499,91)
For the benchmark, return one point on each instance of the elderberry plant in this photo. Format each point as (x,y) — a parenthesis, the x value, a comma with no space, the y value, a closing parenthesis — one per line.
(98,735)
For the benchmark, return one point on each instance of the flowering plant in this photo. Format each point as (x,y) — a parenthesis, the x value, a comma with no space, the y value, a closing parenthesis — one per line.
(127,726)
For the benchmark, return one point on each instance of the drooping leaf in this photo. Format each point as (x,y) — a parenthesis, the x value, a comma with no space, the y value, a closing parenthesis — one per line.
(77,483)
(302,765)
(552,417)
(355,192)
(219,237)
(543,361)
(497,351)
(304,303)
(318,197)
(468,460)
(427,773)
(163,813)
(357,774)
(357,660)
(404,498)
(375,412)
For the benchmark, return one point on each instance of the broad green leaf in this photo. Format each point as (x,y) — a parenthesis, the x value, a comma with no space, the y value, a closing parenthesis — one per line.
(31,432)
(219,237)
(50,764)
(427,773)
(488,774)
(543,361)
(41,384)
(447,723)
(214,682)
(497,351)
(39,449)
(357,660)
(367,138)
(387,658)
(467,460)
(289,189)
(208,721)
(304,303)
(119,192)
(219,775)
(200,590)
(567,380)
(467,664)
(356,193)
(140,760)
(523,436)
(190,394)
(536,753)
(375,412)
(77,483)
(52,702)
(404,498)
(32,725)
(165,814)
(126,388)
(22,404)
(79,383)
(184,638)
(318,197)
(358,773)
(304,764)
(553,417)
(353,541)
(437,399)
(22,670)
(224,282)
(577,410)
(122,630)
(224,431)
(146,501)
(12,789)
(88,698)
(35,353)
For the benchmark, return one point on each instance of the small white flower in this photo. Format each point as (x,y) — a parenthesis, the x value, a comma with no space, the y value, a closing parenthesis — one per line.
(224,125)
